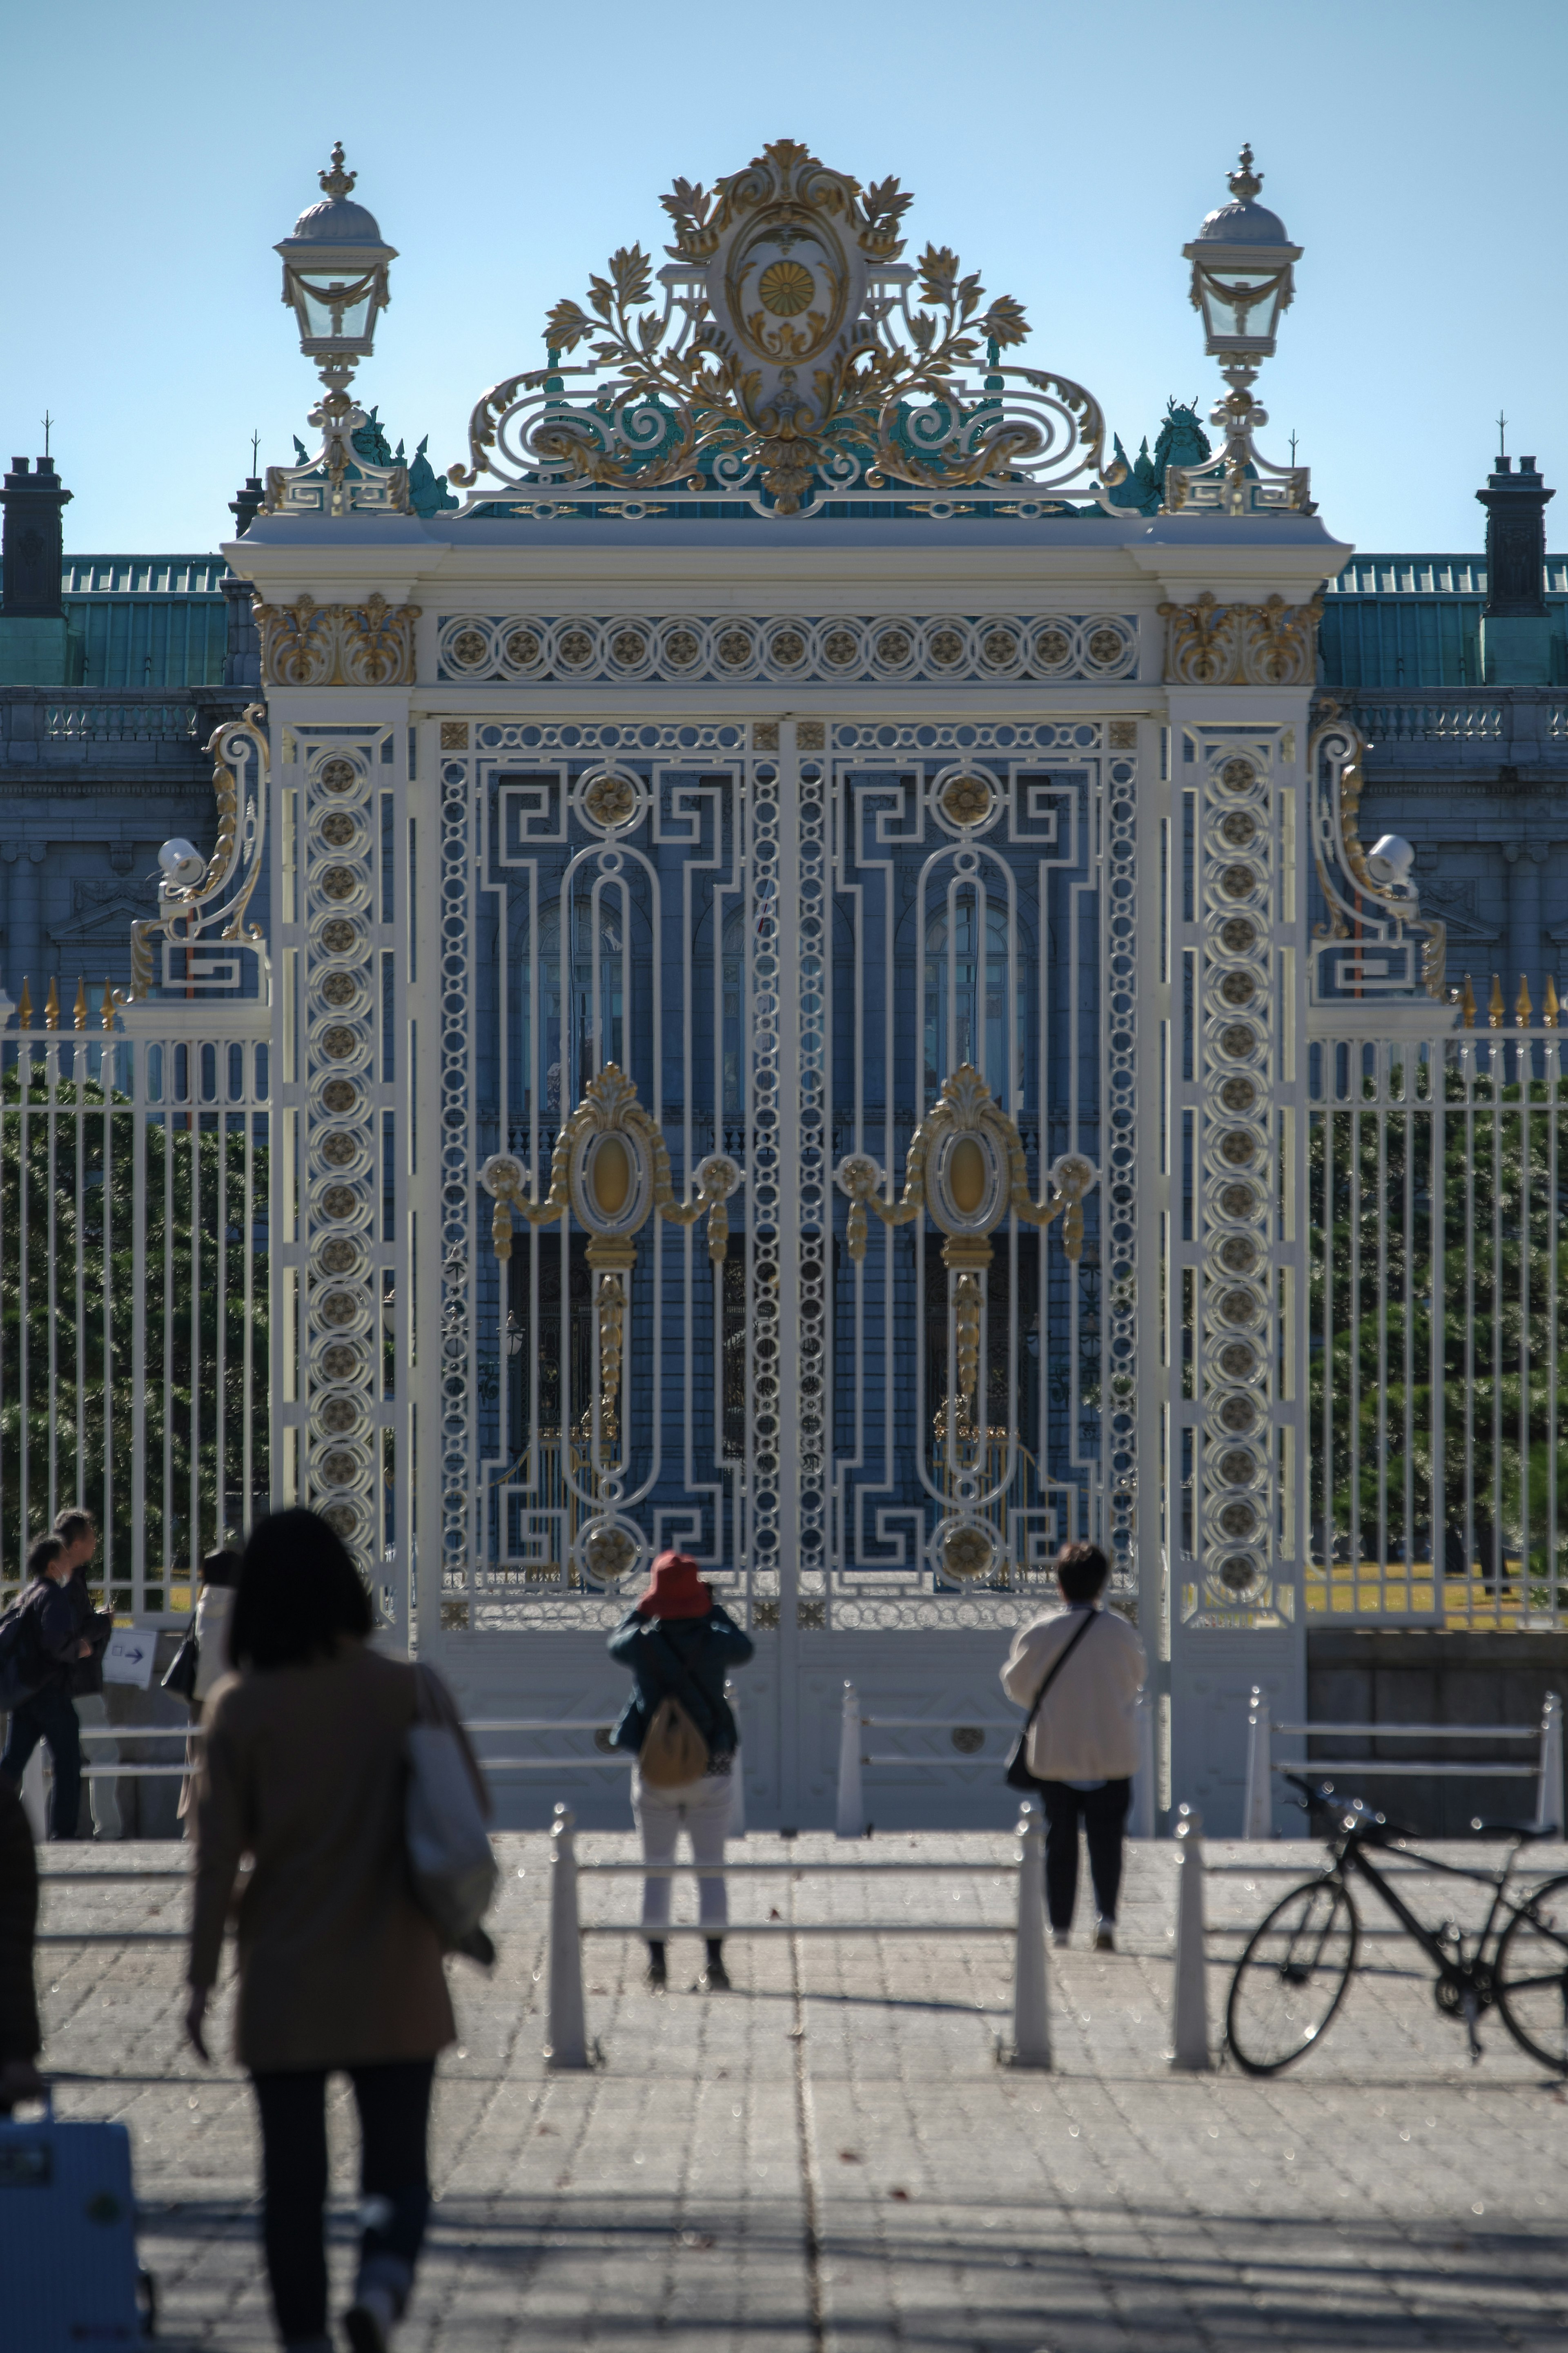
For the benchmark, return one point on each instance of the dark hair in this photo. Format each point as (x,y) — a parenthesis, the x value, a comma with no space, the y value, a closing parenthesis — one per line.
(1082,1569)
(72,1524)
(221,1567)
(41,1552)
(298,1591)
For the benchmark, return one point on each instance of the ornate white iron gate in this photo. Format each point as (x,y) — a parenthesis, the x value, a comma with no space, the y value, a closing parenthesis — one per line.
(795,1060)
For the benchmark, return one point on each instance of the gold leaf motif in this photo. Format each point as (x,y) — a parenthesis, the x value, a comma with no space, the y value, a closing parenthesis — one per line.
(453,734)
(307,644)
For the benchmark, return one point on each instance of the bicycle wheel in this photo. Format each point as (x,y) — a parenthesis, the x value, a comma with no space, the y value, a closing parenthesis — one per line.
(1292,1977)
(1530,1977)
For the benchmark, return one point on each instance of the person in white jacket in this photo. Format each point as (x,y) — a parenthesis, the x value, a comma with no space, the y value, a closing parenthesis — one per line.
(1083,1745)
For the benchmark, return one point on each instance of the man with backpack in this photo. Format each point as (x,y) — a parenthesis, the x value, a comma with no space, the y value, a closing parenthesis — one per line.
(678,1642)
(41,1641)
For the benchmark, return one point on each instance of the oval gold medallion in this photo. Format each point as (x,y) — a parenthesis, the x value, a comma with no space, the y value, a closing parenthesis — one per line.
(611,1176)
(966,1176)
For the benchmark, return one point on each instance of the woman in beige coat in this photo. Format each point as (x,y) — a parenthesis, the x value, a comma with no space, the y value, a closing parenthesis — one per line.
(339,1968)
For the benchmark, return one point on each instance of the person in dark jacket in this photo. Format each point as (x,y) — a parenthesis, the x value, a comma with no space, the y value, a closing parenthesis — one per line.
(78,1532)
(678,1642)
(20,2040)
(56,1642)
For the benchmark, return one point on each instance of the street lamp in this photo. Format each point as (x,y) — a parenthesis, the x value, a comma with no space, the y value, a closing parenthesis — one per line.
(335,282)
(1242,282)
(334,275)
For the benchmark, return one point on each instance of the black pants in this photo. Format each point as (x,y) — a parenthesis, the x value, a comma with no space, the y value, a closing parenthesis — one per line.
(394,2103)
(49,1716)
(1104,1811)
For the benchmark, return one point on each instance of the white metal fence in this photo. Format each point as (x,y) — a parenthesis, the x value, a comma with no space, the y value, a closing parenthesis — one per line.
(1439,1487)
(134,1323)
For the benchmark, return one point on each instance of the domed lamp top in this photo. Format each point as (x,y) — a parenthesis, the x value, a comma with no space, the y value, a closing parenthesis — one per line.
(1243,221)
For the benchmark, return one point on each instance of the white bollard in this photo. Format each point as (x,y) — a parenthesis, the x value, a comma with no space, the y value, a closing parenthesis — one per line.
(1257,1805)
(1031,1991)
(1549,1788)
(1140,1812)
(737,1774)
(35,1796)
(568,2035)
(1190,1988)
(851,1803)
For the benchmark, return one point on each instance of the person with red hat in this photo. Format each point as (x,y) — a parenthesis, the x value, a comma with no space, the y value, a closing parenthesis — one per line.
(678,1642)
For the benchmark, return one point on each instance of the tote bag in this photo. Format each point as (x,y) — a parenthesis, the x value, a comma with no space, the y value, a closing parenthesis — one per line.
(450,1859)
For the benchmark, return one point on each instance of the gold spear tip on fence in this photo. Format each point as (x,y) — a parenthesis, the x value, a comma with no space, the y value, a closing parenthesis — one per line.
(25,1009)
(106,1012)
(79,1011)
(1521,1010)
(1549,1018)
(1496,1012)
(1467,1004)
(52,1008)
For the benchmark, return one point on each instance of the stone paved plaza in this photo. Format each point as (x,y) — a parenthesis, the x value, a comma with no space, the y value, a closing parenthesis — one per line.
(831,2157)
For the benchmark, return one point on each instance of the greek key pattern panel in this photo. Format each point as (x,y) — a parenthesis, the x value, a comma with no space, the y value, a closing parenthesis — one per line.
(1047,649)
(980,1005)
(341,1051)
(1235,1022)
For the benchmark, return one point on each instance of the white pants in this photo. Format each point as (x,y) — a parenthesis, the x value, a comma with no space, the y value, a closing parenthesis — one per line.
(702,1809)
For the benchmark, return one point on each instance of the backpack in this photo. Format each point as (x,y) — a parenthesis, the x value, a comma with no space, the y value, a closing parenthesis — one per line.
(673,1752)
(23,1669)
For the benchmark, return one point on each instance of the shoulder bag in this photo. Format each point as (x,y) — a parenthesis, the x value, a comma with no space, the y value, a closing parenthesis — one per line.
(181,1678)
(1019,1775)
(449,1857)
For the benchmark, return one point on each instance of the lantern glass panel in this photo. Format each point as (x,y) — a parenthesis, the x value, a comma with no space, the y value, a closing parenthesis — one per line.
(328,316)
(1242,305)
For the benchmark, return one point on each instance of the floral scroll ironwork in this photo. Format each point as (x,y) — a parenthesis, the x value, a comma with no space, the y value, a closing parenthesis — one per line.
(788,356)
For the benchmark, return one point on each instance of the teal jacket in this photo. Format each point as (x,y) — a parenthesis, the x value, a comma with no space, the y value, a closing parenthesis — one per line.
(656,1649)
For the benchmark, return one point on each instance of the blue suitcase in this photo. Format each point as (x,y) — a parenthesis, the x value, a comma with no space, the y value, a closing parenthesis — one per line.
(67,2237)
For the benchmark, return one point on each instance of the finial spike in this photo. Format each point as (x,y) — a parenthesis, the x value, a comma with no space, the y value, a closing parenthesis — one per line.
(79,1011)
(25,1009)
(1467,1004)
(1244,182)
(1521,1010)
(52,1008)
(337,182)
(107,1011)
(1549,1018)
(1495,1009)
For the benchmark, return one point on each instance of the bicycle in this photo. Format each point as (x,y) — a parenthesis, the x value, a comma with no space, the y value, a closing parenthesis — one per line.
(1291,1978)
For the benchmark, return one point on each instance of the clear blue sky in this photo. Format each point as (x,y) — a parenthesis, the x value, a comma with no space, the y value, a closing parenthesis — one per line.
(154,154)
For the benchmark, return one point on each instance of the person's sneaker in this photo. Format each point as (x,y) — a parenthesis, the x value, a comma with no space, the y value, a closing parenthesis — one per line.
(1105,1937)
(367,2323)
(715,1978)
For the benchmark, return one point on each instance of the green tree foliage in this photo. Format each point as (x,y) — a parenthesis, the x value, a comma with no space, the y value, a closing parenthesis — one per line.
(1483,1249)
(72,1361)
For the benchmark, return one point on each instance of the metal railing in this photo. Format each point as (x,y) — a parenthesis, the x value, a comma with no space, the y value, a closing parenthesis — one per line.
(1439,1344)
(122,722)
(851,1819)
(567,2046)
(1544,1768)
(135,1256)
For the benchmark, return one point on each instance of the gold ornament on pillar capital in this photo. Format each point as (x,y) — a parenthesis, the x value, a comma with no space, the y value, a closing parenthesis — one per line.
(1242,282)
(334,279)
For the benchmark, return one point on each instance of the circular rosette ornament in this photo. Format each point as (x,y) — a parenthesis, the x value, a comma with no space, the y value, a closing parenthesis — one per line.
(608,1550)
(965,1551)
(611,801)
(966,798)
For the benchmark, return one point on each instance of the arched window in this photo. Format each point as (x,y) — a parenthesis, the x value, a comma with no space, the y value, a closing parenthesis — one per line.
(593,1031)
(974,991)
